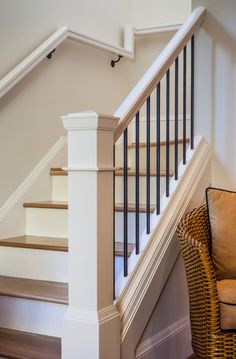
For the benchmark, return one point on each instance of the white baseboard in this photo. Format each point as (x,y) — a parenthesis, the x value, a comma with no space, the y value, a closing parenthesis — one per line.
(174,342)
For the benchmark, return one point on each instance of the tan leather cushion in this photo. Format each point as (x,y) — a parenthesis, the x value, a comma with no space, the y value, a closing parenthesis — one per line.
(227,296)
(222,215)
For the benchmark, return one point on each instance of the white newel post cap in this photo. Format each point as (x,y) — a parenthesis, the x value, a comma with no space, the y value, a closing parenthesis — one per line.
(89,120)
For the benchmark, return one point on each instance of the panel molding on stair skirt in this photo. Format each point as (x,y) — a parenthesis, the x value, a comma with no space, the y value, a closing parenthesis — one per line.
(172,342)
(144,287)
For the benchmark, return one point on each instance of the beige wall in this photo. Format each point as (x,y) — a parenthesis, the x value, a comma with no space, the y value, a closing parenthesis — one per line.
(26,23)
(157,12)
(171,307)
(77,78)
(216,87)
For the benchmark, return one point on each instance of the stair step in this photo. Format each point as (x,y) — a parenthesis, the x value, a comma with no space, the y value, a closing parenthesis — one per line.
(50,243)
(36,242)
(153,144)
(22,345)
(64,205)
(59,171)
(119,172)
(40,290)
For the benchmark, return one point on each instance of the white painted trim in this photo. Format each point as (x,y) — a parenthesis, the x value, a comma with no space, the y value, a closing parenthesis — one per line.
(33,59)
(165,335)
(89,40)
(154,29)
(29,180)
(63,33)
(138,95)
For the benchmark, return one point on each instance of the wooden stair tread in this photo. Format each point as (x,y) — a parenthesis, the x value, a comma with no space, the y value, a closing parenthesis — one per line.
(36,242)
(59,171)
(131,208)
(153,144)
(15,344)
(119,172)
(64,205)
(50,243)
(40,290)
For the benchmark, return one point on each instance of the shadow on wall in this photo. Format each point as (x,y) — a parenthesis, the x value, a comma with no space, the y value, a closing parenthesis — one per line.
(222,101)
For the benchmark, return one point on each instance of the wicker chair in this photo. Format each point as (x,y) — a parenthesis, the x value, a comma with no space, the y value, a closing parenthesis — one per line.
(208,340)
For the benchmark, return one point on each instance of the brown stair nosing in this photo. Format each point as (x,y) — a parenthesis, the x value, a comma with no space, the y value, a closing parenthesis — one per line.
(59,171)
(39,290)
(15,344)
(64,205)
(119,172)
(153,144)
(50,243)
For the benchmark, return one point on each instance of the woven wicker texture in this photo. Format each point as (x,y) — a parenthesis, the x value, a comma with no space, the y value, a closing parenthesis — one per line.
(208,340)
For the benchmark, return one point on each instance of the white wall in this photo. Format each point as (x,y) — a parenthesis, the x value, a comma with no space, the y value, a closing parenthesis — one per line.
(153,12)
(216,87)
(25,24)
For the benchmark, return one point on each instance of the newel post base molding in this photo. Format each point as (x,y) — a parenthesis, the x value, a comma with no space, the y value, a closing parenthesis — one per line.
(91,327)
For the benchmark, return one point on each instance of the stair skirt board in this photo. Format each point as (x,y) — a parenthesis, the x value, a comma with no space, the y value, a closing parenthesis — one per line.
(32,315)
(172,342)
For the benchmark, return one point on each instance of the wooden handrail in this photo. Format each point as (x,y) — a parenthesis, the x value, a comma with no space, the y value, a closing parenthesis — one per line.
(154,74)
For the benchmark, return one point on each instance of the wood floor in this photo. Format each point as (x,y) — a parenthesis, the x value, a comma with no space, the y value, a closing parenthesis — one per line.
(22,345)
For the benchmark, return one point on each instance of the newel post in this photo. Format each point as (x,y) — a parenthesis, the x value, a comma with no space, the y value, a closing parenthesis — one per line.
(91,327)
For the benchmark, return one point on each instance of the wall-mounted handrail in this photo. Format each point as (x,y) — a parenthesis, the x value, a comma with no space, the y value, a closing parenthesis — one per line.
(37,55)
(32,60)
(154,74)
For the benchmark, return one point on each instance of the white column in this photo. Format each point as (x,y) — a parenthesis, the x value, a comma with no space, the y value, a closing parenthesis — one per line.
(91,327)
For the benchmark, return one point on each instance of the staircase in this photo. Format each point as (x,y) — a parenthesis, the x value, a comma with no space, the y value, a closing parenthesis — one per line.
(36,308)
(37,282)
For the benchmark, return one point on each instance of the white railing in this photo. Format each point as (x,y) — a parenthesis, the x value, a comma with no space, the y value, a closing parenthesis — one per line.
(154,74)
(63,33)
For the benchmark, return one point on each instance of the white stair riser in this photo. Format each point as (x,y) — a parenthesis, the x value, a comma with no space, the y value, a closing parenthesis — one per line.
(32,316)
(40,220)
(60,189)
(37,264)
(34,264)
(142,129)
(142,156)
(142,189)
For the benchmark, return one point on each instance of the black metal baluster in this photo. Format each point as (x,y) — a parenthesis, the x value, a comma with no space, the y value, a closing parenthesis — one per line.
(114,222)
(125,202)
(167,133)
(176,115)
(192,94)
(148,165)
(158,156)
(137,183)
(184,102)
